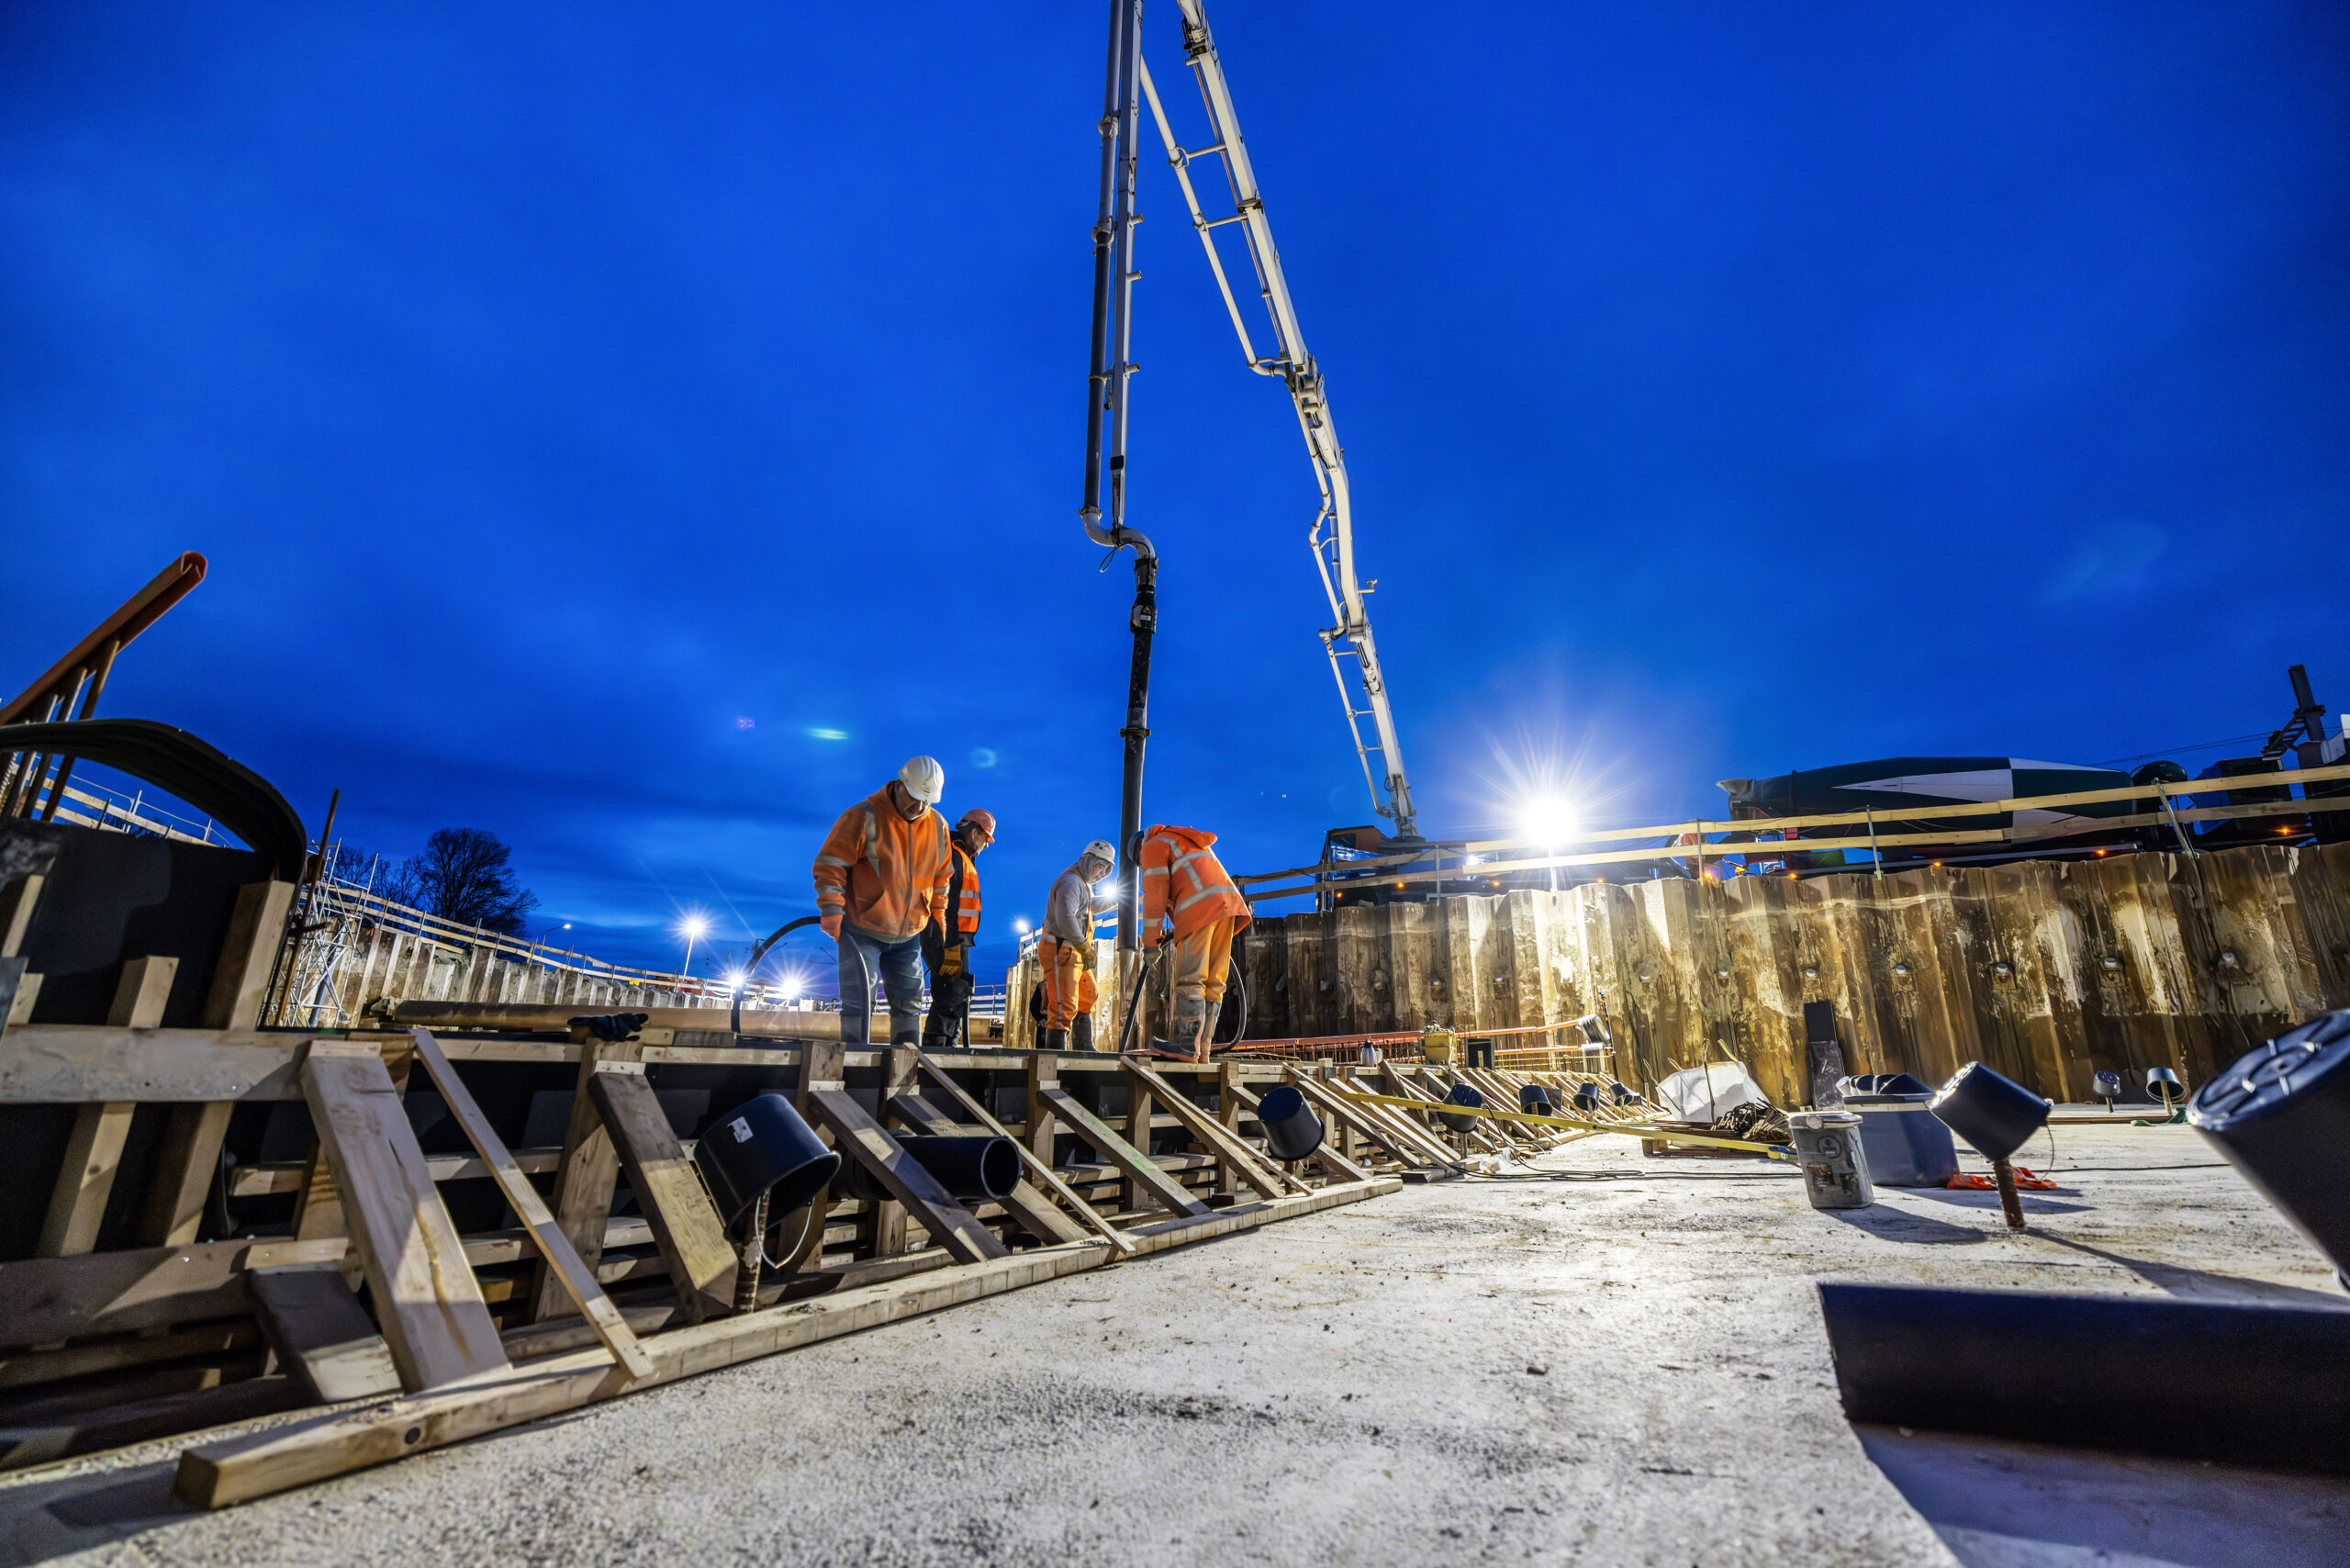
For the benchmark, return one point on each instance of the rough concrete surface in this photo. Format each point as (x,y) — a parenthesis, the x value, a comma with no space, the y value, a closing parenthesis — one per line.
(1600,1359)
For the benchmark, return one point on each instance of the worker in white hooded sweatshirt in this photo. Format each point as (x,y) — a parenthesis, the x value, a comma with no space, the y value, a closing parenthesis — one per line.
(1065,948)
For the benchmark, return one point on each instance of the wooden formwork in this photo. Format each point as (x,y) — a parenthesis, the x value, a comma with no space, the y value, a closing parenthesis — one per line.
(529,1231)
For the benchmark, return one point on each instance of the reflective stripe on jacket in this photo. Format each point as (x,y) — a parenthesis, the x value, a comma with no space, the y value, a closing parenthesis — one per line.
(1184,883)
(963,894)
(882,873)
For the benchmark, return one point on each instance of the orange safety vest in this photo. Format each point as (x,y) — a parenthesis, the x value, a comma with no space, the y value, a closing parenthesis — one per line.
(963,894)
(1183,882)
(882,873)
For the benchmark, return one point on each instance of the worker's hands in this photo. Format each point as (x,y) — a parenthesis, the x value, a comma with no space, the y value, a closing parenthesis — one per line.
(831,926)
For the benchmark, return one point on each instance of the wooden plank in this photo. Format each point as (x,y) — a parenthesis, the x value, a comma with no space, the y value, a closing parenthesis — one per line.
(1142,1175)
(1400,1144)
(426,1299)
(554,1248)
(862,1139)
(120,1424)
(586,1178)
(77,1203)
(48,1299)
(1139,1111)
(326,1339)
(1433,1148)
(189,1160)
(35,1367)
(248,951)
(186,1168)
(1035,1211)
(1038,1167)
(1250,1166)
(685,1223)
(823,1065)
(235,1469)
(889,1214)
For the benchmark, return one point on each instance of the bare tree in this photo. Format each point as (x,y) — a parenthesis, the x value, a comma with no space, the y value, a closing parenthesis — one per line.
(464,875)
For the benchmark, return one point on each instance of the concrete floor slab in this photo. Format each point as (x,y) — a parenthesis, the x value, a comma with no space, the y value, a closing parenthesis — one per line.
(1600,1359)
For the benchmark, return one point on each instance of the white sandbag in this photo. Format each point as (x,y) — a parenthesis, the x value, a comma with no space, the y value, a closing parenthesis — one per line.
(1709,1093)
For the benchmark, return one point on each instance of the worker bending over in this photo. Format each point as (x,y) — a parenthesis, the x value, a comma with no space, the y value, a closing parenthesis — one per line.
(947,943)
(1065,948)
(1186,887)
(882,878)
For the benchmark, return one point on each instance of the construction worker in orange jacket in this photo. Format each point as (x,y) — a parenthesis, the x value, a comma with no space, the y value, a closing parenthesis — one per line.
(1186,889)
(947,943)
(881,877)
(1065,948)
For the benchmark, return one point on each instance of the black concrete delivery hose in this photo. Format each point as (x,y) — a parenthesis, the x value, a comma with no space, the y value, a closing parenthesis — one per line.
(1125,1029)
(734,1019)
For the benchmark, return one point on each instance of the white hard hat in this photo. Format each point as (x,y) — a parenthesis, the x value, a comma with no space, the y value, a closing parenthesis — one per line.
(924,779)
(1099,850)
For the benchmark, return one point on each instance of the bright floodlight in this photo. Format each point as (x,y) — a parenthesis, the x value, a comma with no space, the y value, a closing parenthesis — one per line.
(1020,928)
(1547,820)
(694,927)
(733,978)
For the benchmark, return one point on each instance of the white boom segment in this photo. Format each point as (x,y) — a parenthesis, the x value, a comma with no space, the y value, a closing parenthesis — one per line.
(1331,536)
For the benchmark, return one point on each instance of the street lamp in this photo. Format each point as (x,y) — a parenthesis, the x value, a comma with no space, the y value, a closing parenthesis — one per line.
(693,928)
(1550,821)
(541,940)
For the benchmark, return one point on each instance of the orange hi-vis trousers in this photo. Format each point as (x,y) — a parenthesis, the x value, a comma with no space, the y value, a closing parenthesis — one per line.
(1069,987)
(1202,962)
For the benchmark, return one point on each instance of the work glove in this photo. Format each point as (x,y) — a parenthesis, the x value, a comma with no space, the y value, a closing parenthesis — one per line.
(831,926)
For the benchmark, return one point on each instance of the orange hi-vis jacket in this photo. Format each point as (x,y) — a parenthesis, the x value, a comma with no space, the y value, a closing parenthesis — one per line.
(1182,882)
(963,891)
(882,874)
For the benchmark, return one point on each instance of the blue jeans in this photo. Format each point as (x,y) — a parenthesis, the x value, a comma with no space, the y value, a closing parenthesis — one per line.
(898,966)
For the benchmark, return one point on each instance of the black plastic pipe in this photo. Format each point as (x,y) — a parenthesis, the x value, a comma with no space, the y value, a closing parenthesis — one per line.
(2244,1384)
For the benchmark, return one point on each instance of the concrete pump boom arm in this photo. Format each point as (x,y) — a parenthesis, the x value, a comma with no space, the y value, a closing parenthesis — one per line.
(1332,536)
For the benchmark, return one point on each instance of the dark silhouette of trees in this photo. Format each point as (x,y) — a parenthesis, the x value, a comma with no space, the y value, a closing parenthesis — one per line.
(464,875)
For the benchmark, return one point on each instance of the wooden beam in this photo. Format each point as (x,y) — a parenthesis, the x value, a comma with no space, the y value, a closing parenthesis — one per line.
(685,1222)
(208,1339)
(326,1340)
(1143,1175)
(1251,1167)
(587,1173)
(77,1204)
(235,1469)
(426,1299)
(1041,1168)
(1400,1144)
(186,1165)
(578,1277)
(889,1214)
(1034,1212)
(823,1065)
(189,1161)
(861,1137)
(48,1299)
(247,950)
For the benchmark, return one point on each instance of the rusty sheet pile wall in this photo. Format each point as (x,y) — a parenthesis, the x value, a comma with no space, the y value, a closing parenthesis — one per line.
(2047,970)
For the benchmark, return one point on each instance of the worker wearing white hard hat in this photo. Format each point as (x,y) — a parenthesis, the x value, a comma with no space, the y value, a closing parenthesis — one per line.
(1065,948)
(883,877)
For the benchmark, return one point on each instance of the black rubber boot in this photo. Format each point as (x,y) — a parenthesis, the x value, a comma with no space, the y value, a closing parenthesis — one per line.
(1052,1039)
(1081,1032)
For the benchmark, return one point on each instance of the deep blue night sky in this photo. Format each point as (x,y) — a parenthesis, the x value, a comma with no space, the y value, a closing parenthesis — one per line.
(1725,390)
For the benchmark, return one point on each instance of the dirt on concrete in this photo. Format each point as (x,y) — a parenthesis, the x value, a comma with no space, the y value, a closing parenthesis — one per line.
(1600,1358)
